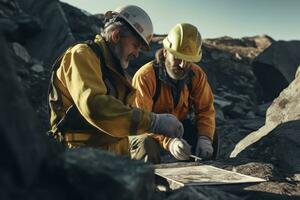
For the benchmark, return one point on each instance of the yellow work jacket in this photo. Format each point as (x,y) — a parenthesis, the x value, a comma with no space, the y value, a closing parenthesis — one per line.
(78,81)
(201,98)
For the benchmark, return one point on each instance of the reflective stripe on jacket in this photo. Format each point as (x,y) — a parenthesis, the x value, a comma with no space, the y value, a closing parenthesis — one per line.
(201,98)
(78,81)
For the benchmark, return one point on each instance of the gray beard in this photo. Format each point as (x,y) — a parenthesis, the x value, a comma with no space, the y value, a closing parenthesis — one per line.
(173,76)
(116,50)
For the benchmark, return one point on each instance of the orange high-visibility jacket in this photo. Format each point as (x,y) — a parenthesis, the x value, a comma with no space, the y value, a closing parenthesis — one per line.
(201,98)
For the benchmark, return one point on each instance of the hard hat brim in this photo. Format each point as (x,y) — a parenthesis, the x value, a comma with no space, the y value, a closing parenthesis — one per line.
(146,44)
(188,58)
(185,57)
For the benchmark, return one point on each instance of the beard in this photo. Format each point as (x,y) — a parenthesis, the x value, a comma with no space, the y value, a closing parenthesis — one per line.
(175,72)
(117,51)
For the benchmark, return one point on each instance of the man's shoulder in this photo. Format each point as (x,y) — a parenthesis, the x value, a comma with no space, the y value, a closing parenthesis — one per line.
(197,70)
(79,53)
(80,47)
(146,70)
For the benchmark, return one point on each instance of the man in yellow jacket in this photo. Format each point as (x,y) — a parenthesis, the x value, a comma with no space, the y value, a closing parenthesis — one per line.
(90,96)
(173,83)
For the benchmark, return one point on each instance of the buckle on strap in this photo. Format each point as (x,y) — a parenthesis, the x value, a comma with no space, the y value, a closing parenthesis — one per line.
(77,137)
(56,134)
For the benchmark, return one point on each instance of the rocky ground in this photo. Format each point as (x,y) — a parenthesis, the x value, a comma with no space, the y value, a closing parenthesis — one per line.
(33,33)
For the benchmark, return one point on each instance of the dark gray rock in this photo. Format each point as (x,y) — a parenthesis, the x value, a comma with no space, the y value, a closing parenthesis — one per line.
(280,147)
(23,149)
(83,25)
(219,114)
(287,150)
(235,111)
(55,35)
(239,106)
(230,133)
(221,101)
(252,124)
(100,174)
(262,109)
(25,26)
(9,8)
(21,52)
(275,67)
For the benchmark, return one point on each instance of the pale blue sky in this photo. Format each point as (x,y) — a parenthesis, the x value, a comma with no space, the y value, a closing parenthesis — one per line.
(279,19)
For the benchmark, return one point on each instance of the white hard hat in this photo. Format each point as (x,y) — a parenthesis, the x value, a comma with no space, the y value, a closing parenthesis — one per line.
(139,20)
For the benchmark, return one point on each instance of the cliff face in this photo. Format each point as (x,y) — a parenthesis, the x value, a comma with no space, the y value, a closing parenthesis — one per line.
(33,33)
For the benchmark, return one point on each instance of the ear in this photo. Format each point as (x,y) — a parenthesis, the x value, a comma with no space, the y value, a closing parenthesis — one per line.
(115,37)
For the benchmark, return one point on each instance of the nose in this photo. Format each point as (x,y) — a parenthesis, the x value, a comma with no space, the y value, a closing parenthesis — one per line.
(136,53)
(182,64)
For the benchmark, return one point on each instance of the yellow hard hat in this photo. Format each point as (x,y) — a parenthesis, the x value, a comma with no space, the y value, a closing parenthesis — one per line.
(184,42)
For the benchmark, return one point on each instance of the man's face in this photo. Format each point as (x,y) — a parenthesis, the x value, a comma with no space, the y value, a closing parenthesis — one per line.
(176,68)
(126,49)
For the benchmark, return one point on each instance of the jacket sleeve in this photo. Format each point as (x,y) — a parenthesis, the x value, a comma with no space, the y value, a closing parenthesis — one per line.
(203,102)
(83,79)
(145,84)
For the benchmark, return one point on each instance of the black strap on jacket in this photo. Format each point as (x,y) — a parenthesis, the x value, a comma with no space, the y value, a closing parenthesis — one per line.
(158,85)
(157,72)
(105,70)
(97,50)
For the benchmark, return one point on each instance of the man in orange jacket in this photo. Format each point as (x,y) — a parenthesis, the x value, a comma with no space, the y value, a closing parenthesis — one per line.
(174,84)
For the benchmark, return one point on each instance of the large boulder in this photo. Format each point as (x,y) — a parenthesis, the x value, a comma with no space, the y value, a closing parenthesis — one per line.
(84,26)
(283,109)
(281,148)
(96,174)
(22,148)
(55,34)
(227,62)
(275,67)
(258,41)
(24,26)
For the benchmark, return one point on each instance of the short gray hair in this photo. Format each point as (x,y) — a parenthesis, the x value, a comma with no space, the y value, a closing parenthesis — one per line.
(109,27)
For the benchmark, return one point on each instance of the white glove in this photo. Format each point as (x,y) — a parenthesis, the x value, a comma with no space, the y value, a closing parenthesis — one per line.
(180,149)
(166,124)
(204,148)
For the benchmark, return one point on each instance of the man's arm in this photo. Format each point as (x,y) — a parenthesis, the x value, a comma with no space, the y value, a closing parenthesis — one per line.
(145,83)
(203,101)
(83,78)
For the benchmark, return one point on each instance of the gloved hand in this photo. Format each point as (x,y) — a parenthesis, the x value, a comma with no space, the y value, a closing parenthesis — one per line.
(180,149)
(204,148)
(166,124)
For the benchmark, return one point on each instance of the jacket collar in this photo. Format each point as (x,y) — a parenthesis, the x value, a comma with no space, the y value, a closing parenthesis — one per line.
(163,76)
(112,62)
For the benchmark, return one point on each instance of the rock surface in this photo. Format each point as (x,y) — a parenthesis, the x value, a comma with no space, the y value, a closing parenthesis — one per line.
(275,67)
(283,109)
